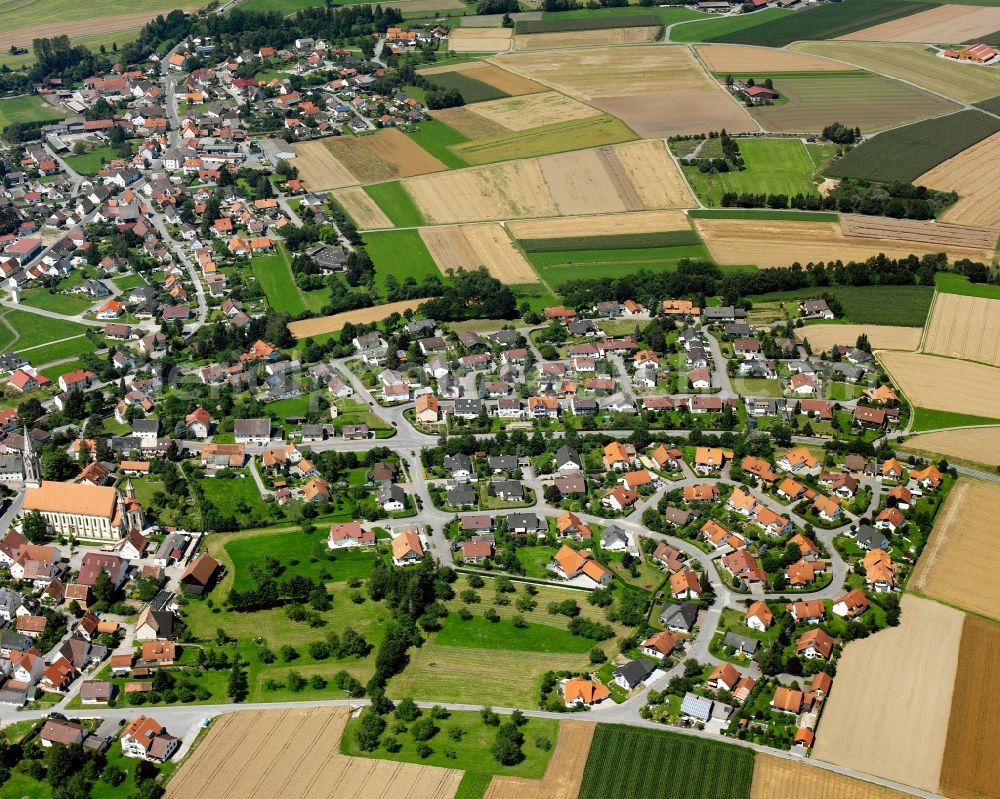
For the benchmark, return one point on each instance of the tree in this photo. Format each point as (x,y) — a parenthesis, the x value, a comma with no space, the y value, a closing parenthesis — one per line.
(34,527)
(370,728)
(103,589)
(407,710)
(239,686)
(423,729)
(597,655)
(507,745)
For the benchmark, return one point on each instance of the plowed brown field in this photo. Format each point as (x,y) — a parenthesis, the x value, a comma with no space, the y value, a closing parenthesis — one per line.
(770,243)
(965,327)
(564,774)
(945,384)
(881,337)
(976,444)
(965,529)
(471,246)
(946,24)
(976,239)
(973,173)
(318,168)
(295,754)
(594,38)
(888,712)
(479,40)
(971,767)
(781,778)
(744,58)
(362,209)
(331,324)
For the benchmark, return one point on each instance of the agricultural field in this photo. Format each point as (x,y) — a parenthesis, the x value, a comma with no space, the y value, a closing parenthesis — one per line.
(966,238)
(773,166)
(319,169)
(471,246)
(945,25)
(611,241)
(857,99)
(471,89)
(976,444)
(93,43)
(360,206)
(971,768)
(633,176)
(914,63)
(974,174)
(908,152)
(395,203)
(881,337)
(776,243)
(964,529)
(952,283)
(827,21)
(479,40)
(532,111)
(593,131)
(965,327)
(902,306)
(783,778)
(564,774)
(905,710)
(586,38)
(590,263)
(317,326)
(700,30)
(297,752)
(628,762)
(604,225)
(738,59)
(400,253)
(930,382)
(565,23)
(274,273)
(26,108)
(387,154)
(506,82)
(662,80)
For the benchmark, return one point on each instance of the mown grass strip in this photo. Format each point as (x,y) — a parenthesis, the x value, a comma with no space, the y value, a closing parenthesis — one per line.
(750,213)
(396,204)
(624,241)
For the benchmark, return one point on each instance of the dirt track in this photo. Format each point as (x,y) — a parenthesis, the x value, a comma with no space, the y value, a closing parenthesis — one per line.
(295,754)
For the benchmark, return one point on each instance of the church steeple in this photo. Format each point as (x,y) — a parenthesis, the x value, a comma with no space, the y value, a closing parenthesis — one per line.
(32,469)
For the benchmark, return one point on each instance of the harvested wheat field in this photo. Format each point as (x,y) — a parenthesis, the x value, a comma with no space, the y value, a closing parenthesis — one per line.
(913,62)
(945,384)
(505,81)
(965,327)
(974,174)
(479,40)
(946,24)
(635,176)
(888,712)
(387,154)
(362,209)
(472,246)
(319,170)
(745,58)
(564,774)
(782,778)
(964,530)
(501,191)
(592,38)
(468,122)
(770,243)
(602,225)
(533,110)
(971,768)
(975,239)
(881,337)
(319,325)
(296,753)
(666,90)
(976,444)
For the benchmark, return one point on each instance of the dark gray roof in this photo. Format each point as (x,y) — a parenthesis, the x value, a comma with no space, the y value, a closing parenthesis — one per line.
(252,427)
(744,642)
(529,521)
(635,671)
(679,614)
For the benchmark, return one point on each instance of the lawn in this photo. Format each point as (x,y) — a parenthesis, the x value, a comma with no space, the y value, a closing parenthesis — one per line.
(26,108)
(925,419)
(275,275)
(577,134)
(535,560)
(756,387)
(437,138)
(631,762)
(473,750)
(92,162)
(127,282)
(556,268)
(951,283)
(352,412)
(233,497)
(68,304)
(392,198)
(63,349)
(704,29)
(773,166)
(401,253)
(873,305)
(479,633)
(300,554)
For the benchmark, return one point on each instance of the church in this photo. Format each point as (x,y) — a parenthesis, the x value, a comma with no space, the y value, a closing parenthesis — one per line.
(86,512)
